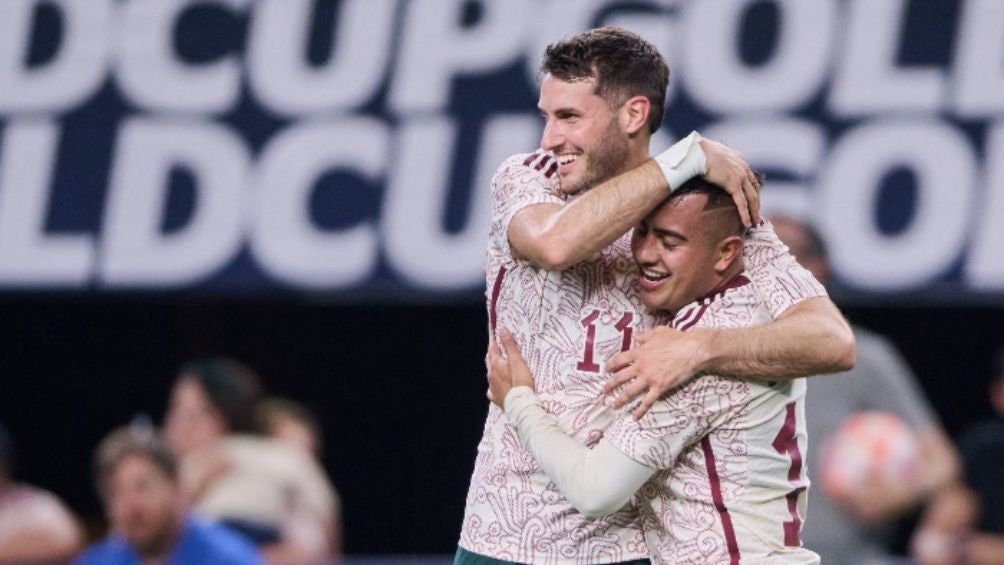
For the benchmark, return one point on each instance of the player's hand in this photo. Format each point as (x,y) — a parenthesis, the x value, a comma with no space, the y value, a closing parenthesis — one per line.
(728,169)
(662,359)
(506,372)
(521,375)
(499,381)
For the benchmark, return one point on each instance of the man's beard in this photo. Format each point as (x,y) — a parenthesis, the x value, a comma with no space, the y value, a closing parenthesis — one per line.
(606,162)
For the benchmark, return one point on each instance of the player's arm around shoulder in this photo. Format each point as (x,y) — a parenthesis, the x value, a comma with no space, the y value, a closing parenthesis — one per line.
(532,236)
(811,334)
(555,237)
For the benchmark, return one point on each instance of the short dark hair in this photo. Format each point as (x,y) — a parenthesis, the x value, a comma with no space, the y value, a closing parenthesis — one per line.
(718,199)
(622,63)
(128,441)
(232,388)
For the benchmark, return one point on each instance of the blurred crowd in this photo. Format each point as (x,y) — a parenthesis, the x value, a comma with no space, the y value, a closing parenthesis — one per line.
(232,477)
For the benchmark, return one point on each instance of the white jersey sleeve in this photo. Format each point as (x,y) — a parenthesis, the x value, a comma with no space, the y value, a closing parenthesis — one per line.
(778,278)
(522,180)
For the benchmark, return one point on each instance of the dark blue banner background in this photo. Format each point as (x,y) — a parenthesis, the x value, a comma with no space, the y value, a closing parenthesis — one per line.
(344,149)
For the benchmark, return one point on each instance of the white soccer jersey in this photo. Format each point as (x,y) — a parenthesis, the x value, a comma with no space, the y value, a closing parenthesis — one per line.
(732,485)
(567,324)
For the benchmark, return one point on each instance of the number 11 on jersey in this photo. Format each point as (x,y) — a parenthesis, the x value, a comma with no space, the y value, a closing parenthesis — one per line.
(588,364)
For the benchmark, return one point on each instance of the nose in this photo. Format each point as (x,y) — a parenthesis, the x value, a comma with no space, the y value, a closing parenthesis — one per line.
(644,249)
(552,138)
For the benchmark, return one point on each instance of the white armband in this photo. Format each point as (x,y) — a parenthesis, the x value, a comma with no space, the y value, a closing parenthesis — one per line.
(683,161)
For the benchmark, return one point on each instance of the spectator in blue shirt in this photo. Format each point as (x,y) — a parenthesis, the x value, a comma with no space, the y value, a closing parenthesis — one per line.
(138,480)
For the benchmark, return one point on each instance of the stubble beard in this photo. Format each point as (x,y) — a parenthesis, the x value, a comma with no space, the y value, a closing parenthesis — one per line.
(605,162)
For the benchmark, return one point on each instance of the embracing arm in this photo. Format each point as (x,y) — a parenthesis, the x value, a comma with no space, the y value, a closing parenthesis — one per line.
(809,338)
(597,481)
(556,236)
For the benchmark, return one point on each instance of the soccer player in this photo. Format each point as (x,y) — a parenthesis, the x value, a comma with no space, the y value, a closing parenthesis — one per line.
(726,453)
(560,275)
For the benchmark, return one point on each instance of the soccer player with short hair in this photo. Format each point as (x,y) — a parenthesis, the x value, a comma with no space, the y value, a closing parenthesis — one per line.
(725,455)
(559,274)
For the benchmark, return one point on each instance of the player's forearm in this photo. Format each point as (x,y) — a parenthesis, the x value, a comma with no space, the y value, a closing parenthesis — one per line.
(596,481)
(811,338)
(597,218)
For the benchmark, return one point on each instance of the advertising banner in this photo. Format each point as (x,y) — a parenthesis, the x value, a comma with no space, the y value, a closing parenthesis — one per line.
(346,148)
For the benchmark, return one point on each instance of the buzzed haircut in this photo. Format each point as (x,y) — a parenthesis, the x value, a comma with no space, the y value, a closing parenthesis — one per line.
(717,199)
(135,440)
(623,64)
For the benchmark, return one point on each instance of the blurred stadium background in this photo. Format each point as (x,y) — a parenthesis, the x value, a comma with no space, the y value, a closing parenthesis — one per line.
(303,185)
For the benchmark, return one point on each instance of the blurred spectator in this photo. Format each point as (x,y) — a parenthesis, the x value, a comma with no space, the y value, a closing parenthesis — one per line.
(35,527)
(857,529)
(254,484)
(965,524)
(137,478)
(295,426)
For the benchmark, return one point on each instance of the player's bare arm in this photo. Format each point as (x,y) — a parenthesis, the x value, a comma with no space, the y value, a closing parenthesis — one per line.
(555,237)
(810,338)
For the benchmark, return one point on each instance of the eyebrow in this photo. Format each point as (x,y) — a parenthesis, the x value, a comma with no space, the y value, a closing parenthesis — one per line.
(664,233)
(559,111)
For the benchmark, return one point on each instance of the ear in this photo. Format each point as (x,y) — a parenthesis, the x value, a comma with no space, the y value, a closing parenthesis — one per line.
(728,251)
(634,114)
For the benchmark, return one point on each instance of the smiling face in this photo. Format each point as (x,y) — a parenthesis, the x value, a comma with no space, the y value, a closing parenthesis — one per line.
(583,132)
(682,253)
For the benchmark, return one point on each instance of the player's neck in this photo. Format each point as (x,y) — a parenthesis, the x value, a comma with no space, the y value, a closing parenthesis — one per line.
(639,151)
(726,280)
